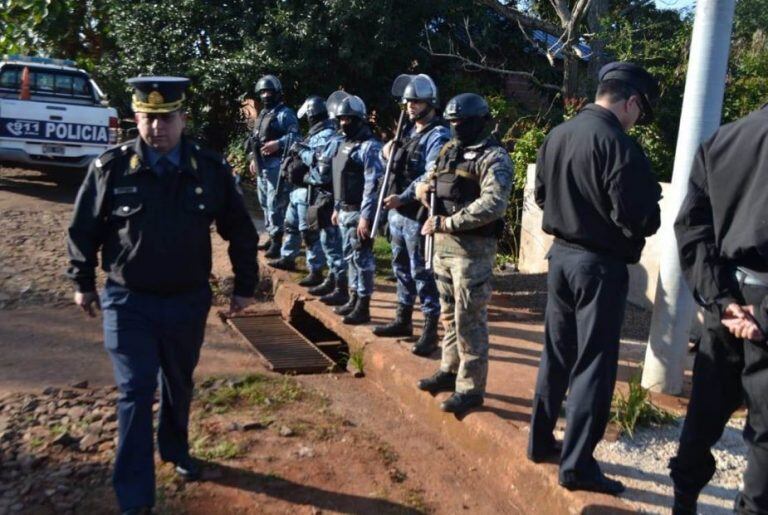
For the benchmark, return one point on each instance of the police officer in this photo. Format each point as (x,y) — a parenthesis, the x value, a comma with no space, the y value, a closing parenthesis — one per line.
(412,160)
(473,182)
(356,170)
(147,206)
(275,129)
(600,201)
(722,239)
(296,170)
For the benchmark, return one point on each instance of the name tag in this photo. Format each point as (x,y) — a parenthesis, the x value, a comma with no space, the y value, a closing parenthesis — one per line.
(125,190)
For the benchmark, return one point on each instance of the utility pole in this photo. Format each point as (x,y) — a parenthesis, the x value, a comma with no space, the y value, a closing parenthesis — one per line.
(674,307)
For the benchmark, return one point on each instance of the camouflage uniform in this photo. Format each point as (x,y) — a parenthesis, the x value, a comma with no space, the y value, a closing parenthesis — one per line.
(463,261)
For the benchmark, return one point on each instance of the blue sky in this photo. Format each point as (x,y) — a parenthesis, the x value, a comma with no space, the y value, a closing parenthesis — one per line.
(674,4)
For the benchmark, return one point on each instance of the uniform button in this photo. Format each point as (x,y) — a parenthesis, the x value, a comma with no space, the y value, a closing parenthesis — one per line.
(126,208)
(201,206)
(199,190)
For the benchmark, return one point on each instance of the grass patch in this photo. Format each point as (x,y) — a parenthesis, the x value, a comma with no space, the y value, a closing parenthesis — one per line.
(502,261)
(382,252)
(251,390)
(223,450)
(356,359)
(635,409)
(415,499)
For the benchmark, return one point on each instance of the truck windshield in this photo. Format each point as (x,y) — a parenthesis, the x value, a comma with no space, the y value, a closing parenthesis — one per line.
(46,82)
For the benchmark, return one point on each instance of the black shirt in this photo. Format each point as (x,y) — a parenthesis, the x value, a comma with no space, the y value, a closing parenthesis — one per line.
(723,222)
(595,185)
(154,231)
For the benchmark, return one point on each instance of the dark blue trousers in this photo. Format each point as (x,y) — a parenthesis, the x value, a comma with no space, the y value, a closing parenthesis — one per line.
(151,339)
(586,297)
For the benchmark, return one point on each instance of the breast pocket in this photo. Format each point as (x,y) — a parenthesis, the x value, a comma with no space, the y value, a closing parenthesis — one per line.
(125,207)
(199,201)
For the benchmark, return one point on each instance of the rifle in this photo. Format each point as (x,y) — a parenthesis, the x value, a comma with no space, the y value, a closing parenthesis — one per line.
(398,88)
(429,240)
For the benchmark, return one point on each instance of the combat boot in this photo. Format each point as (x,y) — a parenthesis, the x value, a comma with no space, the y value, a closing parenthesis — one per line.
(438,382)
(401,326)
(339,296)
(362,312)
(461,402)
(325,287)
(314,278)
(427,343)
(264,245)
(684,503)
(347,308)
(284,263)
(274,247)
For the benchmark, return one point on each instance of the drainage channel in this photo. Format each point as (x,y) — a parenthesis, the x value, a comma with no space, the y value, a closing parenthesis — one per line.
(301,345)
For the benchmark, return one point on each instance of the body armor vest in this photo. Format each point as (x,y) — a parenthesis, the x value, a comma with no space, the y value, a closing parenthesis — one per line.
(407,167)
(458,183)
(265,129)
(348,178)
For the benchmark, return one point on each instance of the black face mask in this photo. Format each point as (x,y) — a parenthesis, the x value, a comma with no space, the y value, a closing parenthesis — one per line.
(352,127)
(268,101)
(469,131)
(314,120)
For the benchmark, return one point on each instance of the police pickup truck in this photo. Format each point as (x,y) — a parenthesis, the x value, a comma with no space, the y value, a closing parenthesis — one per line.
(52,113)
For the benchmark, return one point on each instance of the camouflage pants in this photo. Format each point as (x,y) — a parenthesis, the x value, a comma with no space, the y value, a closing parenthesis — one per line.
(463,268)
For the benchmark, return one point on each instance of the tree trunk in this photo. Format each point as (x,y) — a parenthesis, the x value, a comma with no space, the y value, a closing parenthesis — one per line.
(570,75)
(597,10)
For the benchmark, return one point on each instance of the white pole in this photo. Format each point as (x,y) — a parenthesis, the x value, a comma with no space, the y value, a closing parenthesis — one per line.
(702,104)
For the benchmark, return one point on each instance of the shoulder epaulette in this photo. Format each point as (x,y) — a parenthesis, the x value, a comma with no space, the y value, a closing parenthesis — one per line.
(114,152)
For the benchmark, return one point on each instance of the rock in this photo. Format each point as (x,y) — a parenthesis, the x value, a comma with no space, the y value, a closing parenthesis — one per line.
(89,442)
(65,440)
(286,431)
(305,452)
(51,391)
(76,413)
(80,384)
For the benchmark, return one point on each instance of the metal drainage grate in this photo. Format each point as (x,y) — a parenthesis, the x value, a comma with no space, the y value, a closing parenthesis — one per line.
(282,347)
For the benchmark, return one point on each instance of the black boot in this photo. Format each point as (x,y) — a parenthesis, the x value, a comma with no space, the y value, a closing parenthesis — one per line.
(325,287)
(684,503)
(314,278)
(347,308)
(264,245)
(401,326)
(339,296)
(461,402)
(438,382)
(273,251)
(427,343)
(361,314)
(284,263)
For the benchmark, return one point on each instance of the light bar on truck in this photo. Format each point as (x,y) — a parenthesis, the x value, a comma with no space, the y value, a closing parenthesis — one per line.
(39,60)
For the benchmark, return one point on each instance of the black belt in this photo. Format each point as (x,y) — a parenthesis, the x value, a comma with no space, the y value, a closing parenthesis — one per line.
(350,207)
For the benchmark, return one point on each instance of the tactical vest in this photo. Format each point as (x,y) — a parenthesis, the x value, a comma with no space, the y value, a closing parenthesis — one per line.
(407,167)
(348,178)
(458,183)
(266,129)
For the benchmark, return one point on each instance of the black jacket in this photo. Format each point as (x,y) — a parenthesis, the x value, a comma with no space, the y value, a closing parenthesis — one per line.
(596,187)
(723,222)
(154,234)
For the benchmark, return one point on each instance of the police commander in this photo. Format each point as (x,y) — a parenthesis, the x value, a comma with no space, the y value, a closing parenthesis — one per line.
(600,201)
(148,206)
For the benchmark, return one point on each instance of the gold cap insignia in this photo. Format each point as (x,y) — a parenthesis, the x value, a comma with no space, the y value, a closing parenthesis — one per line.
(135,161)
(155,98)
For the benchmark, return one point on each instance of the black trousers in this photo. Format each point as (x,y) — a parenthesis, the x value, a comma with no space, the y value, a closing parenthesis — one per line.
(727,372)
(587,294)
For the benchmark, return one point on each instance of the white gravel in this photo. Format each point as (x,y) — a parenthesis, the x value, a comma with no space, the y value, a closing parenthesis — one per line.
(641,464)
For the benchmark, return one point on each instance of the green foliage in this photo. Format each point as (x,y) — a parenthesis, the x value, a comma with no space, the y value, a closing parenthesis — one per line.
(636,408)
(205,449)
(251,390)
(382,253)
(356,359)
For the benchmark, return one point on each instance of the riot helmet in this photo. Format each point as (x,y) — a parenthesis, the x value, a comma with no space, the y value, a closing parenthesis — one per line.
(468,115)
(421,88)
(350,110)
(314,109)
(270,91)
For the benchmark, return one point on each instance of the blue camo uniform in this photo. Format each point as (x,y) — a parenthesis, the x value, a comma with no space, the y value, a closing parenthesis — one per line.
(365,156)
(296,216)
(149,216)
(419,153)
(279,123)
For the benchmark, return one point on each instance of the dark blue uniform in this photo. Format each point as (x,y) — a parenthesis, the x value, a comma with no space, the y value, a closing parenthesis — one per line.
(150,217)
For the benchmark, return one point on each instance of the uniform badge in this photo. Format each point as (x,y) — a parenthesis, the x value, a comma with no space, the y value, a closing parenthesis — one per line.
(471,154)
(155,98)
(135,161)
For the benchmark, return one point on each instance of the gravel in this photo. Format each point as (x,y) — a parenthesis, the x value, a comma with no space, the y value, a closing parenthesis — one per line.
(641,464)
